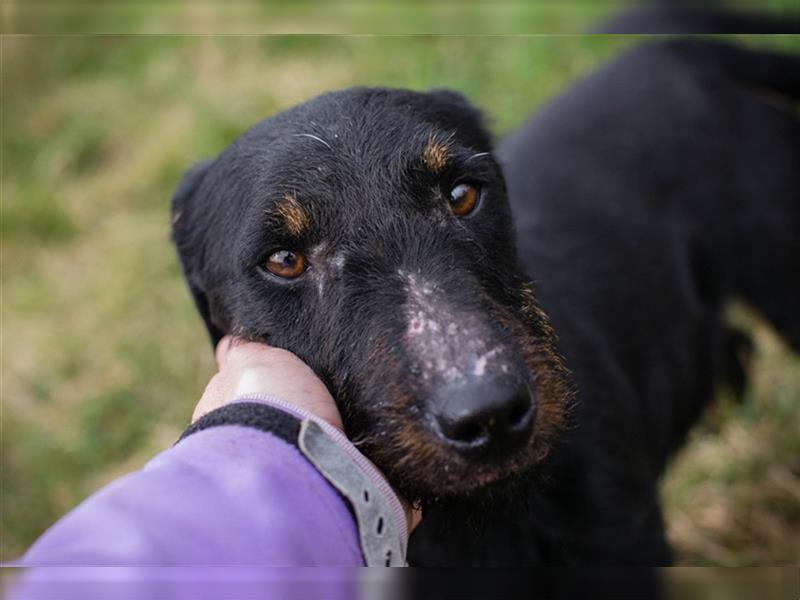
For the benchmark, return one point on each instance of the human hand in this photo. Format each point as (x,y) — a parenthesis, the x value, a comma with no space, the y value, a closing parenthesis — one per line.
(252,368)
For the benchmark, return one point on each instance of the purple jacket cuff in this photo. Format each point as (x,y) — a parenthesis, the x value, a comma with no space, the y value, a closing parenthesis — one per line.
(361,461)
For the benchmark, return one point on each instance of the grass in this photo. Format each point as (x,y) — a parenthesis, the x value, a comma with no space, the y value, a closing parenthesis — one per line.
(733,495)
(103,355)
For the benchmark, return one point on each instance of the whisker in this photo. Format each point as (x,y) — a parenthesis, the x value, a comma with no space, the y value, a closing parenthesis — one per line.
(478,155)
(314,137)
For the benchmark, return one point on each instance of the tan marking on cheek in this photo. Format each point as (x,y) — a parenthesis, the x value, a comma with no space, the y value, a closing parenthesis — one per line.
(436,154)
(294,217)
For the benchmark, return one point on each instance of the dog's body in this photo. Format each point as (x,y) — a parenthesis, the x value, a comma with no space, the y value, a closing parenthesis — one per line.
(644,198)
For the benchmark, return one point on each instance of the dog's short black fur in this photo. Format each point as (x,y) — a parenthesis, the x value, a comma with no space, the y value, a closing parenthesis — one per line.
(644,197)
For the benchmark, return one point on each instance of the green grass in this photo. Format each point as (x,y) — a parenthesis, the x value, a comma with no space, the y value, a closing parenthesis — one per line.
(103,355)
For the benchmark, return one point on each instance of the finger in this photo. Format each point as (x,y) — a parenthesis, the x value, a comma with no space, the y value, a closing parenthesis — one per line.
(241,353)
(416,518)
(212,397)
(222,351)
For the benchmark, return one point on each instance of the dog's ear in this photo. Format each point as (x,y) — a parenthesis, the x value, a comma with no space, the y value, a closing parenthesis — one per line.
(184,235)
(459,113)
(188,185)
(455,99)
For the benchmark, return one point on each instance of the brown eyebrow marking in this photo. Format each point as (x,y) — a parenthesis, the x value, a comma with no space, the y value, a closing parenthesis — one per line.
(436,153)
(295,219)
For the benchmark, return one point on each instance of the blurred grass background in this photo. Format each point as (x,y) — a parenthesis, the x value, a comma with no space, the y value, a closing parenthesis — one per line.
(103,356)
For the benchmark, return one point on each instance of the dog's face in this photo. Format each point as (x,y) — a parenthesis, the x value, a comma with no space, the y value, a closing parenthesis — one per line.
(368,231)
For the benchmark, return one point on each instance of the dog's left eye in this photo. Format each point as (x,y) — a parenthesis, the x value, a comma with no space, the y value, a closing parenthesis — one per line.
(463,199)
(286,264)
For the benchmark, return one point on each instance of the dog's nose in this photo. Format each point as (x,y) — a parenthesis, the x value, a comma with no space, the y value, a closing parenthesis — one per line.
(490,418)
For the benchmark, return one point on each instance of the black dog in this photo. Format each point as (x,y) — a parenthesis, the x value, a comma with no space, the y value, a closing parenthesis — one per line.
(369,231)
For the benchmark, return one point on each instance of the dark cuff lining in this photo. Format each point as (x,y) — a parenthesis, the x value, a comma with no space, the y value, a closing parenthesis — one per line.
(250,414)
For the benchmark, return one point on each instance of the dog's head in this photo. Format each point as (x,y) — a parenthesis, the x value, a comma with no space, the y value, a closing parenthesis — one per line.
(368,231)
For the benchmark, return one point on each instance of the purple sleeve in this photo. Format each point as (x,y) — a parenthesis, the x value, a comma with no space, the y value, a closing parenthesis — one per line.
(227,495)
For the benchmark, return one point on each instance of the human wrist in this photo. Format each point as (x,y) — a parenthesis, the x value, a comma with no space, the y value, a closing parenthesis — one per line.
(401,508)
(379,511)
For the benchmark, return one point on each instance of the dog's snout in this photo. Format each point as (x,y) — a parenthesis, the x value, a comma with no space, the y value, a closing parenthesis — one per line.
(492,418)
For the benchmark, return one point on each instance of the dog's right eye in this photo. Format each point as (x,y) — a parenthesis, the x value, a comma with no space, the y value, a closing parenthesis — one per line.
(286,264)
(463,199)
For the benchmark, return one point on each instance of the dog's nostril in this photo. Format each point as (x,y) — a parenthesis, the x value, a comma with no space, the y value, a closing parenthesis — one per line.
(520,413)
(469,432)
